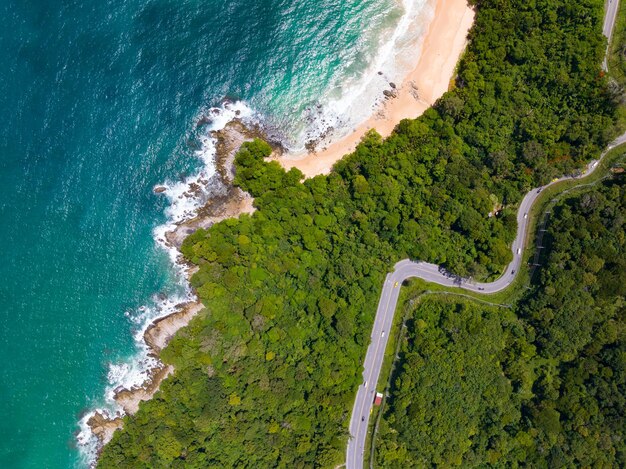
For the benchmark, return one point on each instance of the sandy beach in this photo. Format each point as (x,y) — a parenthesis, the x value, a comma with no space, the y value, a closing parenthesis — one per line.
(442,47)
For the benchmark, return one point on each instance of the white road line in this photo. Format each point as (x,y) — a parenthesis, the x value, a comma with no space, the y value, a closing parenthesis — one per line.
(406,269)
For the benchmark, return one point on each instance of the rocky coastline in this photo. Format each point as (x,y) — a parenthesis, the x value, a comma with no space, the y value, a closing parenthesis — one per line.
(227,201)
(442,46)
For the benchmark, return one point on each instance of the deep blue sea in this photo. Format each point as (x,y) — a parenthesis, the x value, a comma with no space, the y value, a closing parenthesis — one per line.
(99,102)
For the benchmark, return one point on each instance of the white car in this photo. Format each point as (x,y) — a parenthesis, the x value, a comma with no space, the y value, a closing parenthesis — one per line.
(519,251)
(526,215)
(382,334)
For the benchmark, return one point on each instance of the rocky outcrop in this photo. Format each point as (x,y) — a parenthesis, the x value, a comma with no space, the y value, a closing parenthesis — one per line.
(104,427)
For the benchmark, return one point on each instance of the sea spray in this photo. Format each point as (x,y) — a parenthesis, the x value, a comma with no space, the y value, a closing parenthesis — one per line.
(103,105)
(352,99)
(185,198)
(345,104)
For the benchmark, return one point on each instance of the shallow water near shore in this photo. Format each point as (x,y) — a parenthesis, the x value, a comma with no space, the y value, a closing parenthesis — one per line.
(103,101)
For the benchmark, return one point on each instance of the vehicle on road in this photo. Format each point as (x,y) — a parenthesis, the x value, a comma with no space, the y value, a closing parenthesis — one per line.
(404,270)
(395,285)
(519,251)
(382,334)
(364,384)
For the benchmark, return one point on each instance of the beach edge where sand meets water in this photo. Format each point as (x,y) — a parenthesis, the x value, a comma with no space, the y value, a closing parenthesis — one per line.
(442,46)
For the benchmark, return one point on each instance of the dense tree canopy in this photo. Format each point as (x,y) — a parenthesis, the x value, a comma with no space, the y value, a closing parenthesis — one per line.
(544,387)
(266,374)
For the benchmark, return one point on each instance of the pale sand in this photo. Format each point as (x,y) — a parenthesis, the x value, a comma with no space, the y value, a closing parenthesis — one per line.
(442,47)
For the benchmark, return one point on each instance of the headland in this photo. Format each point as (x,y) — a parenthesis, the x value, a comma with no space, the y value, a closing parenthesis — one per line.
(441,48)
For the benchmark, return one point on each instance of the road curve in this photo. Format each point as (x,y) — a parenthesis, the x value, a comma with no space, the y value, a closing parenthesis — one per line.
(406,269)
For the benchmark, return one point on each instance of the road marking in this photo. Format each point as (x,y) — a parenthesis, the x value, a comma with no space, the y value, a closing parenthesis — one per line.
(426,269)
(369,378)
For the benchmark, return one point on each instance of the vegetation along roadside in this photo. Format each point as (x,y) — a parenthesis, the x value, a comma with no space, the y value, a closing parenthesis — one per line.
(541,384)
(266,374)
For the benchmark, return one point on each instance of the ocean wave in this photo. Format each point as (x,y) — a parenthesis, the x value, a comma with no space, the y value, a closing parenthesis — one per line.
(347,103)
(130,374)
(351,100)
(185,199)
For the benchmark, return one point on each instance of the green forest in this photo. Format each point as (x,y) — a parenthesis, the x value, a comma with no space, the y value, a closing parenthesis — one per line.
(541,385)
(266,374)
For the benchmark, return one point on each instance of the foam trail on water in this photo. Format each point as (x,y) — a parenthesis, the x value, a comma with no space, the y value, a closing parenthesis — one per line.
(352,101)
(130,374)
(346,104)
(185,198)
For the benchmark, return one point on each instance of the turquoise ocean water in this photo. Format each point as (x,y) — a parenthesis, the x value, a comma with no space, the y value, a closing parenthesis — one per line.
(99,103)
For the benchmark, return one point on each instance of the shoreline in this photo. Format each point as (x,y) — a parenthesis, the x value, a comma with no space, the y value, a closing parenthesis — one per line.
(228,202)
(442,46)
(441,49)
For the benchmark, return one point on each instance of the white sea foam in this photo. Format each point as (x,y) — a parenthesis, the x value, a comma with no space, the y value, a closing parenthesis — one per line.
(352,100)
(342,108)
(185,198)
(129,374)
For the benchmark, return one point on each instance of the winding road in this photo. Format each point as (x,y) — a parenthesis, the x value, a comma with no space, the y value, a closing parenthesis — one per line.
(406,269)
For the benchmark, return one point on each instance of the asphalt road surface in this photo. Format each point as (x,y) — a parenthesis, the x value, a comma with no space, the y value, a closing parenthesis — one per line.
(609,22)
(404,270)
(609,18)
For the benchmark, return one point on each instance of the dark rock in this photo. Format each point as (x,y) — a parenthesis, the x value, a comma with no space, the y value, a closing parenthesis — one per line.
(159,189)
(393,85)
